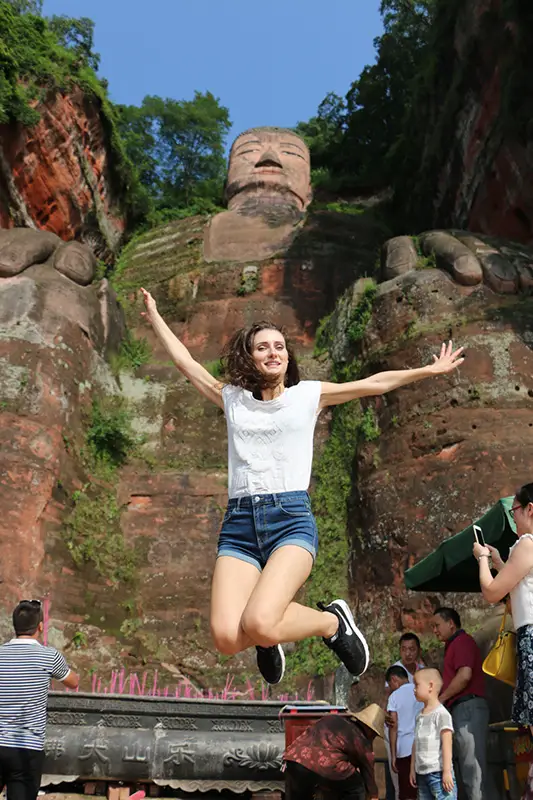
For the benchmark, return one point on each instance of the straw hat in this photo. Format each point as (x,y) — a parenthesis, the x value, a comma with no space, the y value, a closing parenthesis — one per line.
(373,717)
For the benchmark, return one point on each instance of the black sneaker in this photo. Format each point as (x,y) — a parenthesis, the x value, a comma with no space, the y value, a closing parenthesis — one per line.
(348,643)
(271,663)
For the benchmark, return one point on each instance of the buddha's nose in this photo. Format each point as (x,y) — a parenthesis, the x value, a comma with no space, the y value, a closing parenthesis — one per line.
(269,159)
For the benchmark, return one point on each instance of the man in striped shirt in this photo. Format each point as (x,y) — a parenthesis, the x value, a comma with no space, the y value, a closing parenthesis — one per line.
(26,667)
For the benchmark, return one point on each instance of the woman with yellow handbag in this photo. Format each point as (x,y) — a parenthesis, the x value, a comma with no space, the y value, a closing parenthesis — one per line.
(515,577)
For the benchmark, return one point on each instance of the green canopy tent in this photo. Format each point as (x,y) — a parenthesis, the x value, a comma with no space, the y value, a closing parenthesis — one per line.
(452,567)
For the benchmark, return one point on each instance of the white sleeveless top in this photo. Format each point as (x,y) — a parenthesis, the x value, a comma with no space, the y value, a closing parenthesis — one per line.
(522,595)
(270,442)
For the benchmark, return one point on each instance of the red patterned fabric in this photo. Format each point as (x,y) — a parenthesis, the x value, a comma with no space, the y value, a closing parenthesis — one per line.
(334,748)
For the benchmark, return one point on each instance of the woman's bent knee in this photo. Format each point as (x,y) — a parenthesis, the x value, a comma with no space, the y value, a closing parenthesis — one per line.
(260,629)
(227,642)
(226,645)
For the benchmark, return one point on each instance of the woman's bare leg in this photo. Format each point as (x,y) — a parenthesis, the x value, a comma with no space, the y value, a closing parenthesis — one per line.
(233,583)
(253,608)
(270,617)
(249,607)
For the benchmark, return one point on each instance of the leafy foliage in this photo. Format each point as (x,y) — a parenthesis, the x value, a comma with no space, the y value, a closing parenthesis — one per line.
(92,530)
(362,313)
(444,80)
(93,535)
(133,354)
(109,437)
(352,138)
(215,368)
(76,35)
(27,6)
(178,146)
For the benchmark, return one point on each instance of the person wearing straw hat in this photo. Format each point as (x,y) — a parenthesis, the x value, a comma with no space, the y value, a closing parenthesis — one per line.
(336,754)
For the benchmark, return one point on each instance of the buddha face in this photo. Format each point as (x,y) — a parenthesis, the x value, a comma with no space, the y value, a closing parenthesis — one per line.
(273,163)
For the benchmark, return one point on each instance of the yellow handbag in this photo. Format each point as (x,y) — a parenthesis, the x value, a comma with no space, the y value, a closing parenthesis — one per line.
(500,662)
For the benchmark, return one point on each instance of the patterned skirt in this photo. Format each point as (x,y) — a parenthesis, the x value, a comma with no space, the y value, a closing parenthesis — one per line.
(523,693)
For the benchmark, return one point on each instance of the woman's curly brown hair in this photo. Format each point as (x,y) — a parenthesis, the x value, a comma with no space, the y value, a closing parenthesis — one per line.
(239,366)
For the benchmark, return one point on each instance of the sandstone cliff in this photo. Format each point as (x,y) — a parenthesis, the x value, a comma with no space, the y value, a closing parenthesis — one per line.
(61,174)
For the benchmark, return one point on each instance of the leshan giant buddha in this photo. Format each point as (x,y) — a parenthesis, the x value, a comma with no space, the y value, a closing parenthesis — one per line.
(267,191)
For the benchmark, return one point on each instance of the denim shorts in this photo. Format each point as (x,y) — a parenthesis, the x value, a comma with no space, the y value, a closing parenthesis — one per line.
(257,525)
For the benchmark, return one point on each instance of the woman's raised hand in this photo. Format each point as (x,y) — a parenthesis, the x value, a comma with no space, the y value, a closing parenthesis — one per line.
(448,359)
(150,305)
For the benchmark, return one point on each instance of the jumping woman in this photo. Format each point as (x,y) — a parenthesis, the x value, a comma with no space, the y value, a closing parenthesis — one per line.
(268,539)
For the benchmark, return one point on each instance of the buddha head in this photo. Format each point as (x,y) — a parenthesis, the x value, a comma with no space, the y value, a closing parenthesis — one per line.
(270,165)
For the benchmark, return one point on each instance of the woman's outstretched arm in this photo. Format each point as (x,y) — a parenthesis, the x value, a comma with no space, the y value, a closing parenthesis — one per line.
(335,393)
(200,378)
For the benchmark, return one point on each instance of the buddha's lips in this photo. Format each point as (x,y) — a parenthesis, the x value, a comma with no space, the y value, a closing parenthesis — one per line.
(268,170)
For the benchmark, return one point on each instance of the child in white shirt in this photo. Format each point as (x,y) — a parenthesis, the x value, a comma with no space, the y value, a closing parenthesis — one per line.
(431,763)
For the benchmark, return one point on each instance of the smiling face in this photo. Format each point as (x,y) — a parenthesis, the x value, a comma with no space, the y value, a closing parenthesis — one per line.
(270,355)
(273,163)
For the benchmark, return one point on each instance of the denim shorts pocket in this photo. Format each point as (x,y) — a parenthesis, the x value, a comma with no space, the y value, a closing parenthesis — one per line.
(229,512)
(295,508)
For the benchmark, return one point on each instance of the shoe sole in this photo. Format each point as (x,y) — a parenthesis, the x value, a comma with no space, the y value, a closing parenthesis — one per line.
(280,649)
(349,616)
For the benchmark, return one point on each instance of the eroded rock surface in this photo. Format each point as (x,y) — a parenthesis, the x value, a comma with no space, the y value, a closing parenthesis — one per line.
(58,175)
(53,334)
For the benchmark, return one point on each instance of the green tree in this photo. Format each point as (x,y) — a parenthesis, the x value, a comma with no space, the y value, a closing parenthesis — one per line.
(137,132)
(377,102)
(76,35)
(353,139)
(27,6)
(179,147)
(324,132)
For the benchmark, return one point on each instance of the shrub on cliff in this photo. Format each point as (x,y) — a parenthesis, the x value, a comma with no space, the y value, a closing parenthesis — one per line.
(109,436)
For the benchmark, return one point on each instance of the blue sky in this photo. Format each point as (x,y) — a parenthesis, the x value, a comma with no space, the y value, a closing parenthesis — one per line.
(270,63)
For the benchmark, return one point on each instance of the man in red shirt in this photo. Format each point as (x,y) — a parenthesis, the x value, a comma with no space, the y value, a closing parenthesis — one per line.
(463,693)
(336,753)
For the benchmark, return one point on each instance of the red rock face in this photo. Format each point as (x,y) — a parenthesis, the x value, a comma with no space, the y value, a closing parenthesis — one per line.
(56,175)
(50,332)
(486,173)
